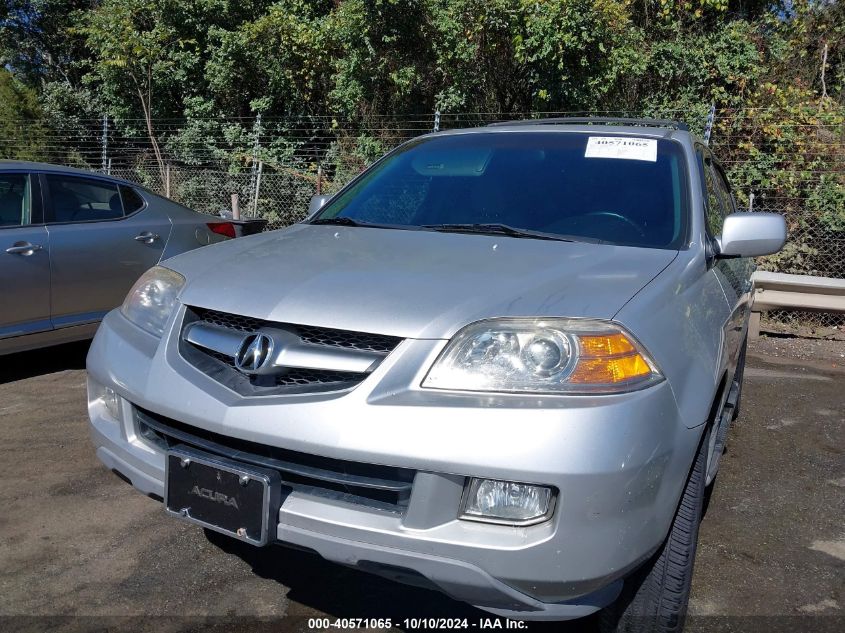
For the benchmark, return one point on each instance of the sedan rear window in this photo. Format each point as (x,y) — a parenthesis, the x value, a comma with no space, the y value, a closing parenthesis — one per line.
(76,199)
(132,200)
(612,188)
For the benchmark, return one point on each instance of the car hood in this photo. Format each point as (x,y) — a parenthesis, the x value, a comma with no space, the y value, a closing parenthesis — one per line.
(412,284)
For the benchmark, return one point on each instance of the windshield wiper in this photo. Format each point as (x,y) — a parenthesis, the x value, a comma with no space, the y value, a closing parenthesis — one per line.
(477,228)
(341,222)
(497,229)
(344,221)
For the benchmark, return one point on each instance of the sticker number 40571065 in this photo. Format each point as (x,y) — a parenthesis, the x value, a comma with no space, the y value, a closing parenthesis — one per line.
(628,148)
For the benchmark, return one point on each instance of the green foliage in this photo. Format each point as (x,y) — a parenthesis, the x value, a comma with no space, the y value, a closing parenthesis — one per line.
(20,115)
(381,56)
(276,63)
(519,55)
(796,258)
(827,203)
(143,55)
(37,40)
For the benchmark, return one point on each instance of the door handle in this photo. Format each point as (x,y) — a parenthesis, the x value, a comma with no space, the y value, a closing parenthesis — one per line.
(24,248)
(147,237)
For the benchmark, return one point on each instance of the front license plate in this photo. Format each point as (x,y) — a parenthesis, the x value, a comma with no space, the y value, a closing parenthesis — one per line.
(236,499)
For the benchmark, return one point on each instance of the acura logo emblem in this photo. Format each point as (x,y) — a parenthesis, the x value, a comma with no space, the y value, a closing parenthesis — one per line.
(254,353)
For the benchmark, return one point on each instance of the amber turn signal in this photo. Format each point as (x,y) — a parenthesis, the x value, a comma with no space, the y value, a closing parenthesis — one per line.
(608,359)
(605,345)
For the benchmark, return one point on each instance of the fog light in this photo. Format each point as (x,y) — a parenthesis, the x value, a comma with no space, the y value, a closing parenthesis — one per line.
(105,397)
(507,502)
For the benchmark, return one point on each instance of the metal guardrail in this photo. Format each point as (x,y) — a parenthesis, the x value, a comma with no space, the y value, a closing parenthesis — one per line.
(782,291)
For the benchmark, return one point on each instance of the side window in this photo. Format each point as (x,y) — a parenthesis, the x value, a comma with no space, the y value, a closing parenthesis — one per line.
(83,199)
(716,210)
(132,200)
(724,190)
(14,200)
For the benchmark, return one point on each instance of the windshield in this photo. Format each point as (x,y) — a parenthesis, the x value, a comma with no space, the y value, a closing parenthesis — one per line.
(593,186)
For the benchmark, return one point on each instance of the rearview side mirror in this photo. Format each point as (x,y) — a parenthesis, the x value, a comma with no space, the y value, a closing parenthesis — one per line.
(317,203)
(751,234)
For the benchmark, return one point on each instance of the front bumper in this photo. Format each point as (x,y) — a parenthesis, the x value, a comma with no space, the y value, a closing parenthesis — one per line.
(618,462)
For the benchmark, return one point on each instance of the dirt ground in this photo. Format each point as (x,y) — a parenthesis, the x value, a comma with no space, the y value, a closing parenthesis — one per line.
(80,550)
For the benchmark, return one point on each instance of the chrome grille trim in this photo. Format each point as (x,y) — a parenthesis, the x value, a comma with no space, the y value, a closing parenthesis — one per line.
(305,359)
(294,353)
(328,337)
(213,337)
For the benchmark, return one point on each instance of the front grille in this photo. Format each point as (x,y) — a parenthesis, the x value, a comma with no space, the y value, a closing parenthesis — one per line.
(385,488)
(304,377)
(223,358)
(221,366)
(362,341)
(301,377)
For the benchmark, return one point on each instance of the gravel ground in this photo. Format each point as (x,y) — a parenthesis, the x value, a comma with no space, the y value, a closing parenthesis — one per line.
(830,353)
(80,550)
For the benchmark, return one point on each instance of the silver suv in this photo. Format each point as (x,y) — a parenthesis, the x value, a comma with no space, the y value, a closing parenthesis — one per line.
(501,363)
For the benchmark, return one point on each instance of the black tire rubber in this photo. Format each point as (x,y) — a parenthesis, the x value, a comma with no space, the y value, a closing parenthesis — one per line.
(654,598)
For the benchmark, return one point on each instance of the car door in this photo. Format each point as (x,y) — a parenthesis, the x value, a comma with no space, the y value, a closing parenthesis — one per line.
(103,236)
(736,273)
(733,274)
(24,257)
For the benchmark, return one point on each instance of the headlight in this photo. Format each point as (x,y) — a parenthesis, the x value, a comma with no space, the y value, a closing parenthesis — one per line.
(543,356)
(152,299)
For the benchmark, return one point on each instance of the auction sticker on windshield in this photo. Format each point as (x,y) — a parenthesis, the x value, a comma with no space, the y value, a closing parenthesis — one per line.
(622,147)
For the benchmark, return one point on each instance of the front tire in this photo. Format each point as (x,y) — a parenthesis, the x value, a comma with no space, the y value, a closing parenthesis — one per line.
(655,597)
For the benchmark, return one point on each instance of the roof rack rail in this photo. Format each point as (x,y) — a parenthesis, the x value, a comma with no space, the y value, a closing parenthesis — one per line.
(587,120)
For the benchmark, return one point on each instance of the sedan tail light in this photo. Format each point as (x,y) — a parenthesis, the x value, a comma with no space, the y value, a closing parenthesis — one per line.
(222,228)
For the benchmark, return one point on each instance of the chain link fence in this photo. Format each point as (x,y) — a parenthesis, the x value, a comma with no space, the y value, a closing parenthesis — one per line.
(280,197)
(810,250)
(827,325)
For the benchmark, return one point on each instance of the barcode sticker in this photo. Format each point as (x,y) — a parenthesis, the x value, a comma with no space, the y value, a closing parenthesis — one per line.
(625,147)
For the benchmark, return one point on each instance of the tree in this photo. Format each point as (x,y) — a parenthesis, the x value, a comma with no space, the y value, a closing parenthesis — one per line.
(38,43)
(521,55)
(135,49)
(23,133)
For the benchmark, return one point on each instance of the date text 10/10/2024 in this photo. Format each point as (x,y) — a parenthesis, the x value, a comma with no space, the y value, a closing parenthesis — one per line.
(415,623)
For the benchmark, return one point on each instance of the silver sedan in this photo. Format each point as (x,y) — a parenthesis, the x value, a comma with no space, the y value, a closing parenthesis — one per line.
(73,242)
